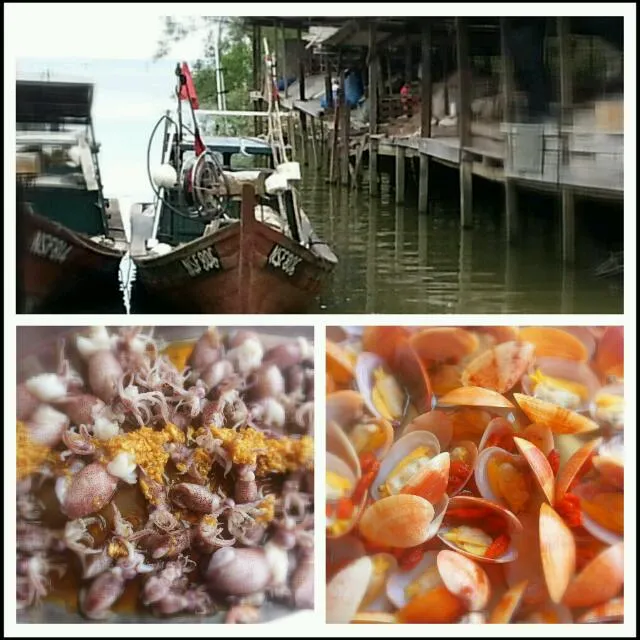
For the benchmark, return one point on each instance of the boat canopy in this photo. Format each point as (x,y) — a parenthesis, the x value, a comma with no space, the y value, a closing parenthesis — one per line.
(231,145)
(43,101)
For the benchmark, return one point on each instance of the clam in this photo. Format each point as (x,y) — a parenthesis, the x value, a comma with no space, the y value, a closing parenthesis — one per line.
(403,586)
(464,578)
(339,445)
(508,604)
(437,422)
(539,466)
(383,341)
(602,511)
(437,605)
(463,458)
(556,343)
(541,436)
(445,378)
(609,359)
(499,368)
(499,334)
(611,612)
(375,599)
(382,394)
(340,484)
(345,407)
(444,344)
(558,552)
(586,336)
(343,551)
(475,397)
(346,590)
(413,463)
(609,462)
(400,521)
(413,376)
(607,406)
(560,420)
(574,466)
(566,383)
(340,363)
(480,530)
(549,613)
(599,581)
(499,433)
(503,478)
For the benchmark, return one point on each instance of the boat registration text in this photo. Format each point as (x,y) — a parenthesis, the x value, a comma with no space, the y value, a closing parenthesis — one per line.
(201,261)
(281,258)
(44,245)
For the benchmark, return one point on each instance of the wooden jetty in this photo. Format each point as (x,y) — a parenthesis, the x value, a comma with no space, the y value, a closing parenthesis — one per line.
(576,150)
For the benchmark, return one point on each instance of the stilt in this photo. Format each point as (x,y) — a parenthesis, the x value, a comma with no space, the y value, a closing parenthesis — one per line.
(425,121)
(284,62)
(566,118)
(314,147)
(345,125)
(423,184)
(373,111)
(400,174)
(327,84)
(510,195)
(257,66)
(301,85)
(464,123)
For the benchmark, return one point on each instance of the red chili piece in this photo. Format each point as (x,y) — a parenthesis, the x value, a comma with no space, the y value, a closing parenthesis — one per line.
(554,461)
(498,546)
(568,508)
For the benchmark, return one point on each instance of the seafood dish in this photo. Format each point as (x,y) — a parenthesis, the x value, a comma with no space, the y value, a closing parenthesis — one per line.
(159,477)
(475,475)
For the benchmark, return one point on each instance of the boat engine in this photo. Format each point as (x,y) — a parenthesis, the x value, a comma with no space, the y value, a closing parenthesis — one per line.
(204,185)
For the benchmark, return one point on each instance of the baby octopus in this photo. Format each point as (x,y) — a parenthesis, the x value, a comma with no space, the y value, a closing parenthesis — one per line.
(189,480)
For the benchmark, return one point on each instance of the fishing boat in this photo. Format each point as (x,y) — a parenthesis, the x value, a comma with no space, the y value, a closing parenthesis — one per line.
(221,239)
(66,251)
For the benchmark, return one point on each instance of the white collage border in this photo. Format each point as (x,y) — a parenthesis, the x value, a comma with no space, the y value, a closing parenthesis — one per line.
(312,625)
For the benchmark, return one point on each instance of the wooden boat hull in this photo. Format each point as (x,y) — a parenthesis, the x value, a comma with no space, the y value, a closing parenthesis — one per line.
(247,267)
(59,269)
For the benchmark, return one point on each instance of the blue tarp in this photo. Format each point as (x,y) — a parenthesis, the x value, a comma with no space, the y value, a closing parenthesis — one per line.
(290,81)
(353,88)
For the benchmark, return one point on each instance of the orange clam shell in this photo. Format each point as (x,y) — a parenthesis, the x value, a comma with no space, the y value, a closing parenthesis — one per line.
(560,420)
(444,344)
(557,343)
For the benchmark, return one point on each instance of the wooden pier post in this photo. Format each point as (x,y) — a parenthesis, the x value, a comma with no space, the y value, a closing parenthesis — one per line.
(373,110)
(566,119)
(510,195)
(301,85)
(314,147)
(463,109)
(425,120)
(400,173)
(345,125)
(328,90)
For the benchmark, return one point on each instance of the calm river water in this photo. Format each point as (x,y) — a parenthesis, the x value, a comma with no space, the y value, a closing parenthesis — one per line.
(394,260)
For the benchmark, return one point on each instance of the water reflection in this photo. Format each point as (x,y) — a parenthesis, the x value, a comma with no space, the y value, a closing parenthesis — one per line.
(393,260)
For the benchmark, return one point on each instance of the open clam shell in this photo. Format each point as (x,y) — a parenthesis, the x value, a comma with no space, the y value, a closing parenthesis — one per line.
(463,460)
(465,578)
(345,407)
(568,383)
(607,406)
(541,436)
(609,462)
(499,433)
(509,604)
(375,599)
(557,343)
(437,422)
(444,344)
(610,612)
(409,456)
(346,590)
(403,586)
(613,511)
(601,579)
(609,358)
(474,397)
(574,465)
(400,521)
(343,551)
(539,465)
(339,363)
(382,394)
(512,527)
(373,435)
(339,445)
(558,552)
(340,483)
(515,499)
(560,420)
(499,368)
(586,336)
